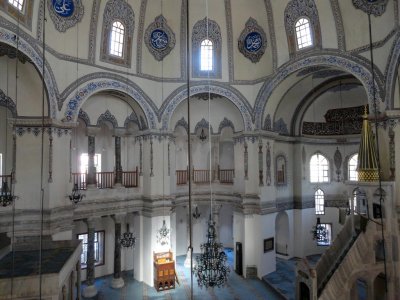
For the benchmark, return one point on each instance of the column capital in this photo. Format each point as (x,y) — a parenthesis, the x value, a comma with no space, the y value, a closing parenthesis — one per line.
(118,218)
(91,221)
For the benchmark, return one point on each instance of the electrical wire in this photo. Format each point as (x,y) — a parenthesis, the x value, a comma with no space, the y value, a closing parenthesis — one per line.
(377,147)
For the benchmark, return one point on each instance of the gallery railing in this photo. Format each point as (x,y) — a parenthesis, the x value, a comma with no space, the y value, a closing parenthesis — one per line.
(106,180)
(203,176)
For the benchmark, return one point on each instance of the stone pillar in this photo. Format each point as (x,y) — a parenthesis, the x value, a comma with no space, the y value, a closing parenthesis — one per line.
(78,280)
(90,290)
(118,166)
(91,176)
(117,281)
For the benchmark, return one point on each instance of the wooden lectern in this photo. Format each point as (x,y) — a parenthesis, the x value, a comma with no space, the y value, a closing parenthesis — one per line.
(164,271)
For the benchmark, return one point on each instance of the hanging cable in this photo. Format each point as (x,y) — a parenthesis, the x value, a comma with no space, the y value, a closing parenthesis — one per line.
(377,148)
(42,153)
(189,151)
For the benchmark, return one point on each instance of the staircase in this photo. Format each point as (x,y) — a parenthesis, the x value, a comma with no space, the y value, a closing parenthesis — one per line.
(334,276)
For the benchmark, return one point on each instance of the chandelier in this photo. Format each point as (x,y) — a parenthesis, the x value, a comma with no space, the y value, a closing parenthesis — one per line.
(212,268)
(196,213)
(163,235)
(76,195)
(319,232)
(127,240)
(202,136)
(6,196)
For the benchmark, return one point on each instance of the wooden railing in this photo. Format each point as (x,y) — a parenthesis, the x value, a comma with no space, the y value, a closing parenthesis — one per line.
(106,180)
(181,177)
(226,176)
(203,176)
(130,179)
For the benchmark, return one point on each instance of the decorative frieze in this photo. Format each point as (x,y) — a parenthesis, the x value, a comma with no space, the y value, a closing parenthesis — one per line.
(107,117)
(372,7)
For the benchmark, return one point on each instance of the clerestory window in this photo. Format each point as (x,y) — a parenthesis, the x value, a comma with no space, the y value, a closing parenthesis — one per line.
(303,33)
(206,55)
(117,39)
(319,168)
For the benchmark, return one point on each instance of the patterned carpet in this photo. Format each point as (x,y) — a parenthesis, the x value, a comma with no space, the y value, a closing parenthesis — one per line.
(237,287)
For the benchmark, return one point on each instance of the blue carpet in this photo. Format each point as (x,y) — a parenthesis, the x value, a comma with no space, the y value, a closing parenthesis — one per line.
(237,287)
(283,279)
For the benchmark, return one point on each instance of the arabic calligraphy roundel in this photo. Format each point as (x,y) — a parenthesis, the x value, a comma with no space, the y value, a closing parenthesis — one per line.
(159,38)
(65,13)
(64,8)
(252,41)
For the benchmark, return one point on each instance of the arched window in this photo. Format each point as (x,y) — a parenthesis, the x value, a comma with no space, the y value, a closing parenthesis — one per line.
(319,202)
(117,33)
(206,55)
(117,39)
(319,168)
(352,167)
(206,49)
(303,33)
(18,4)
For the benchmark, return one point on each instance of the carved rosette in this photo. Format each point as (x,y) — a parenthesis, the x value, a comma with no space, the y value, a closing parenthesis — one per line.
(373,7)
(159,38)
(252,41)
(65,14)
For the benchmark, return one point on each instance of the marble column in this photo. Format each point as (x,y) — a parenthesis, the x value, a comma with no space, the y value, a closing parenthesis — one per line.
(91,176)
(117,281)
(118,166)
(90,290)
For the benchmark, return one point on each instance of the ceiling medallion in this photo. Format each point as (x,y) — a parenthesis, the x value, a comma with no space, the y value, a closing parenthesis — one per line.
(65,13)
(159,38)
(252,41)
(373,7)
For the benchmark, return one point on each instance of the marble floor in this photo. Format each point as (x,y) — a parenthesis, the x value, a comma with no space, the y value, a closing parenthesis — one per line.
(237,287)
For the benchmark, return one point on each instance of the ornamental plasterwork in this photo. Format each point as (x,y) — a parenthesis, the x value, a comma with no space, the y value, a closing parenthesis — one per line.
(182,122)
(203,123)
(65,13)
(7,102)
(84,117)
(373,7)
(226,123)
(252,41)
(159,38)
(132,118)
(299,8)
(107,117)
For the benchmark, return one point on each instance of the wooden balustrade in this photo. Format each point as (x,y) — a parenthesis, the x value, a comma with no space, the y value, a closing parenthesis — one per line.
(80,180)
(130,179)
(106,180)
(226,176)
(181,177)
(203,176)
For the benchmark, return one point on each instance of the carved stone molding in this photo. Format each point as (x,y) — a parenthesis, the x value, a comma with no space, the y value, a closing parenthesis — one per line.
(66,13)
(107,117)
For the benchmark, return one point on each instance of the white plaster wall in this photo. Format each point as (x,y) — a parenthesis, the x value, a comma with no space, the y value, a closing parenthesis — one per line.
(6,146)
(267,260)
(181,231)
(225,235)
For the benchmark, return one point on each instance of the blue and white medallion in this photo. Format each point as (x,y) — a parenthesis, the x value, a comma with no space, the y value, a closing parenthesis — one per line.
(64,8)
(159,38)
(65,13)
(252,41)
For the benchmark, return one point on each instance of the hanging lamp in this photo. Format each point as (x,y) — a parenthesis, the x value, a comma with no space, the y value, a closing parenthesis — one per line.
(211,269)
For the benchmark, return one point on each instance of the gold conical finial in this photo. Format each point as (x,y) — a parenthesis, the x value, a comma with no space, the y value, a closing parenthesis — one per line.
(367,158)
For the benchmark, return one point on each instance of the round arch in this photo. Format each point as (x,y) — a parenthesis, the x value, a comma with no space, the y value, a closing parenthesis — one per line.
(180,94)
(357,67)
(9,38)
(98,82)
